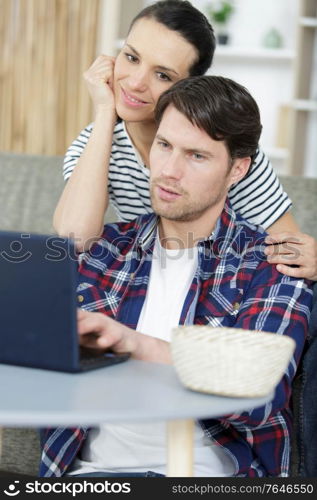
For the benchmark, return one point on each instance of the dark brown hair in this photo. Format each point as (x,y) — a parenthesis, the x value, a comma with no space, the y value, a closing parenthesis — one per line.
(190,23)
(219,106)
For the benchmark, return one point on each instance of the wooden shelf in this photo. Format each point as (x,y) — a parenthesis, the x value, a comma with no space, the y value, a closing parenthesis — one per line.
(255,53)
(308,22)
(304,105)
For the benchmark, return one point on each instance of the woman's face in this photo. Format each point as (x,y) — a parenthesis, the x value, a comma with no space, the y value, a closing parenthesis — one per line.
(152,59)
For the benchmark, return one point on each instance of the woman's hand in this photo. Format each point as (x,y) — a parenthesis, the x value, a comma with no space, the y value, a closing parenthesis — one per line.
(99,81)
(287,249)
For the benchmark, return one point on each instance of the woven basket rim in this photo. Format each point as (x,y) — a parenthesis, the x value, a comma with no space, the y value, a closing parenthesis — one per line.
(209,334)
(230,361)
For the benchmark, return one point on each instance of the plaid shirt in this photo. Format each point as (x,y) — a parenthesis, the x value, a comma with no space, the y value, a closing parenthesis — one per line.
(233,286)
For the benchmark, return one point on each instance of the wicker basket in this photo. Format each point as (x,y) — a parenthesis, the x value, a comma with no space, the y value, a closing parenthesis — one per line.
(230,361)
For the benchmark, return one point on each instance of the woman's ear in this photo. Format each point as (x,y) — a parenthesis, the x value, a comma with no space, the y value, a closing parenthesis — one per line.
(239,170)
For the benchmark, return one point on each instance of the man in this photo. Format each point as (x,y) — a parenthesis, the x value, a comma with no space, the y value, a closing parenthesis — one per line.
(195,261)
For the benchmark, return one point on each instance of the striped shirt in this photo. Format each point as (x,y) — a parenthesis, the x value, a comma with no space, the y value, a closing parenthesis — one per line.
(259,197)
(233,286)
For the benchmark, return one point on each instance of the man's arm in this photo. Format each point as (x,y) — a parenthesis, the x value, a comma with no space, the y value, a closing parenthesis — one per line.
(98,331)
(287,247)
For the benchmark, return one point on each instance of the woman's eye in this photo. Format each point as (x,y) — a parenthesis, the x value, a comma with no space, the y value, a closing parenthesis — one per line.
(130,57)
(162,144)
(163,76)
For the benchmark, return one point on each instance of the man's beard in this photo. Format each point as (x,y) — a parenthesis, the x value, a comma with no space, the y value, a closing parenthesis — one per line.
(188,210)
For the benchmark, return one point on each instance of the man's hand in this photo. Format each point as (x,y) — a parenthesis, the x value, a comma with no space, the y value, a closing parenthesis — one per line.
(98,331)
(287,249)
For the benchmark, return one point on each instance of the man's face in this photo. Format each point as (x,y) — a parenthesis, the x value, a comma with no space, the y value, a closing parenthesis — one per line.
(190,172)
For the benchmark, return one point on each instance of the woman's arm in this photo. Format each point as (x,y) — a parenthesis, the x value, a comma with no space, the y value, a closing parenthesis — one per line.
(82,205)
(284,223)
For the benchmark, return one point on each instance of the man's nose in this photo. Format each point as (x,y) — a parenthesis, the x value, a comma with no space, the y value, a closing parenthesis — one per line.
(174,166)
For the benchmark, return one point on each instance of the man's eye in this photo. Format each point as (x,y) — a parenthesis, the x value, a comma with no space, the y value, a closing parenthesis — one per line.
(163,76)
(130,57)
(198,156)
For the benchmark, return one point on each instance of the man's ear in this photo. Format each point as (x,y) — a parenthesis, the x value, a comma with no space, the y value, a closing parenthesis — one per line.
(239,169)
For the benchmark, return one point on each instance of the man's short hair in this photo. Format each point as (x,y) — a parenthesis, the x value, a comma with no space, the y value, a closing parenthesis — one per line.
(221,107)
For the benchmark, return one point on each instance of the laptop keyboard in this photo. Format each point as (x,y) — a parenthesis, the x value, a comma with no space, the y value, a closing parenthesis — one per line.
(91,358)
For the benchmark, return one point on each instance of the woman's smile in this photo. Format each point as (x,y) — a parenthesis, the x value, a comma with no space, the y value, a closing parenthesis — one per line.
(132,100)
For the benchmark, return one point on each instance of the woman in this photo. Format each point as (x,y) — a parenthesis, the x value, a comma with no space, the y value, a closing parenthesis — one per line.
(167,41)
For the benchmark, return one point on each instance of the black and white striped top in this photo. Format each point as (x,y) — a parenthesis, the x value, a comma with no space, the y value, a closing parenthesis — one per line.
(259,197)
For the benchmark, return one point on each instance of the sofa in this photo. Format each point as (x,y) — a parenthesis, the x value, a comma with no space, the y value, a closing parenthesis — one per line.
(29,190)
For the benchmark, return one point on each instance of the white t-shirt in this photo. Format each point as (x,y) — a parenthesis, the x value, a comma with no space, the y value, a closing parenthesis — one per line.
(259,197)
(142,447)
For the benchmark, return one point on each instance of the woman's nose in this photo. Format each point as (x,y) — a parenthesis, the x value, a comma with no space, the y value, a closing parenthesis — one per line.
(138,80)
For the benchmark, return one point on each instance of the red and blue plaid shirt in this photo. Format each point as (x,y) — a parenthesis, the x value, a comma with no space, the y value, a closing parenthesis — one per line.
(233,286)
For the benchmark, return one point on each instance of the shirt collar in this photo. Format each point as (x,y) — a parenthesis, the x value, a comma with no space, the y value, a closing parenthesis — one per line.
(223,231)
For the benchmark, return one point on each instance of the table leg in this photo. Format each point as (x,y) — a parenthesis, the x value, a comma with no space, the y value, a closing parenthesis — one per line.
(180,448)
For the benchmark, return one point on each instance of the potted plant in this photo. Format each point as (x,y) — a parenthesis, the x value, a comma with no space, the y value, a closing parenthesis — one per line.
(219,13)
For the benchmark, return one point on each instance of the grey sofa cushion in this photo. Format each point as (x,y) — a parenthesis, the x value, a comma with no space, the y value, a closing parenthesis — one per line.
(20,450)
(30,187)
(29,190)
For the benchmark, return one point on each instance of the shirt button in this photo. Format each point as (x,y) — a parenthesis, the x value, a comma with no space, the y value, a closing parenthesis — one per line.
(132,276)
(236,306)
(80,298)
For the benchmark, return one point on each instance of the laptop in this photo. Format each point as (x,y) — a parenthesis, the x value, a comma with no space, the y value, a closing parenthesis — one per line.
(38,305)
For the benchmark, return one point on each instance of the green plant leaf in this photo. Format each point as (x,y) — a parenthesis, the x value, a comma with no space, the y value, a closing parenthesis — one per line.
(220,12)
